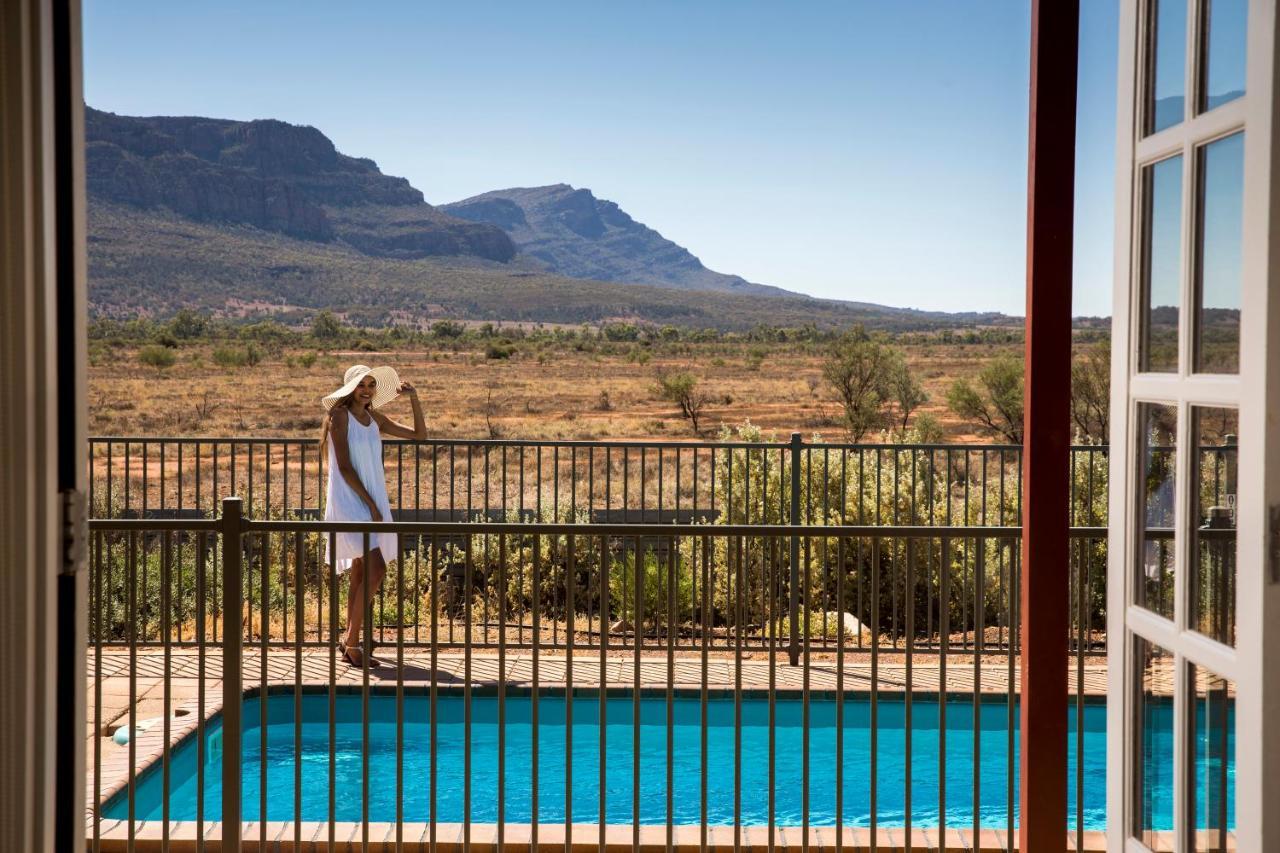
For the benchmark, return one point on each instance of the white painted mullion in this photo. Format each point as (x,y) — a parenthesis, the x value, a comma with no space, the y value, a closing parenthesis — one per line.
(1209,654)
(1181,740)
(1155,386)
(1125,315)
(1183,468)
(1258,596)
(1191,53)
(1204,389)
(1149,626)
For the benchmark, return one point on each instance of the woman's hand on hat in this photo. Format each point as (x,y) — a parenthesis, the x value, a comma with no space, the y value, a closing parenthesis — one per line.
(407,388)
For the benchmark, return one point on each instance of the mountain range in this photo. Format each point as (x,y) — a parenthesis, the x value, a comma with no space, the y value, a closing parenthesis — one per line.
(247,217)
(576,234)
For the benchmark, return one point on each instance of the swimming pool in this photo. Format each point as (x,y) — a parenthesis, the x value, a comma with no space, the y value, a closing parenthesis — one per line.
(992,778)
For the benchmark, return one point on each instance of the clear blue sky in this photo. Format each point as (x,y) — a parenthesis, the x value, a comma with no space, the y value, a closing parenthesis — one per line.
(857,150)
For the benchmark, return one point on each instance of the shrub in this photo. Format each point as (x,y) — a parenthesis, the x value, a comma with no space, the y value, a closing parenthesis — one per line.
(498,351)
(327,327)
(659,573)
(158,357)
(681,387)
(187,324)
(246,356)
(447,329)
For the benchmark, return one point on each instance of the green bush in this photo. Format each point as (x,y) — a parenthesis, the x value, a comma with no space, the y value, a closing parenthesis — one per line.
(159,357)
(246,356)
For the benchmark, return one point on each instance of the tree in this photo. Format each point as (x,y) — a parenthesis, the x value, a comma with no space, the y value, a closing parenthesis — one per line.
(996,402)
(859,369)
(1091,392)
(907,393)
(681,387)
(447,329)
(326,326)
(187,324)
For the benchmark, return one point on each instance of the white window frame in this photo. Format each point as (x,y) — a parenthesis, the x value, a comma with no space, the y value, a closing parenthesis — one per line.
(1254,664)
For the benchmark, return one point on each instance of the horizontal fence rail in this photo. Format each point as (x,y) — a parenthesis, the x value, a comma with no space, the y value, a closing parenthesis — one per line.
(592,481)
(645,668)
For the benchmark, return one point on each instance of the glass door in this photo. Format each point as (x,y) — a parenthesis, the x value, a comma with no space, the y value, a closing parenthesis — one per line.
(1190,587)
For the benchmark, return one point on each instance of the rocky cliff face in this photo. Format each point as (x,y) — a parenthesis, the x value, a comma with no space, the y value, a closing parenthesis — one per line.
(274,176)
(576,234)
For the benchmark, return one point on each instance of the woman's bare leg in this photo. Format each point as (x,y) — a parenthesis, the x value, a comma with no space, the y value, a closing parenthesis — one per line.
(356,597)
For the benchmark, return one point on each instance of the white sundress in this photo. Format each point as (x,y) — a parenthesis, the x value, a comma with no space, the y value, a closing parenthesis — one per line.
(364,446)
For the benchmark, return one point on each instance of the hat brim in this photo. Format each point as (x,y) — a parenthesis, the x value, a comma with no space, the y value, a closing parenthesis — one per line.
(388,381)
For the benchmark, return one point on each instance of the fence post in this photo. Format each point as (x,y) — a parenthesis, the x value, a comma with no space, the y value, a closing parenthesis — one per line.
(793,619)
(232,690)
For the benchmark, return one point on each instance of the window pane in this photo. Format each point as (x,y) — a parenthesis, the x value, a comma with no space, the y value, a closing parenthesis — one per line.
(1219,232)
(1153,765)
(1212,791)
(1161,265)
(1213,581)
(1157,497)
(1167,65)
(1223,43)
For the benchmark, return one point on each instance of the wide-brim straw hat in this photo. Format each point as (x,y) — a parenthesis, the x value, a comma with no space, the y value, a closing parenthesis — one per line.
(386,377)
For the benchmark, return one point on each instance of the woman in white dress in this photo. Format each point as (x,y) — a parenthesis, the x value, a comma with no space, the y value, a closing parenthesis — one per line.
(357,485)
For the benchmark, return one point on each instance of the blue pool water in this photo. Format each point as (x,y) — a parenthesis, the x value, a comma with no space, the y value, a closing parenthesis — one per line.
(993,777)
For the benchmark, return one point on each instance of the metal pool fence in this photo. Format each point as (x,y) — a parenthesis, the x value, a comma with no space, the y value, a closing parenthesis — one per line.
(743,482)
(739,571)
(188,614)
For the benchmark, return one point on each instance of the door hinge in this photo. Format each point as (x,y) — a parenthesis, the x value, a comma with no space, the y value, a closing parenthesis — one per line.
(73,531)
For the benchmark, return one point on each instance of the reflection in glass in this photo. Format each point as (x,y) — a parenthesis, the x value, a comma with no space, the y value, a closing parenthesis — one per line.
(1157,492)
(1153,765)
(1212,792)
(1161,265)
(1167,64)
(1213,579)
(1219,233)
(1223,44)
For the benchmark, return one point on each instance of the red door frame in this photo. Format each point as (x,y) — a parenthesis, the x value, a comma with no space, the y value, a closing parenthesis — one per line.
(1045,595)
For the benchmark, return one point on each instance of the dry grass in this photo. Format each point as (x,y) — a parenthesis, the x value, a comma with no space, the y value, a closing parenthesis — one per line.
(551,394)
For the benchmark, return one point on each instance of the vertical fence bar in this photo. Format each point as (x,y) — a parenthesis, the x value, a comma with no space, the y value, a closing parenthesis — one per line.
(637,622)
(232,691)
(875,691)
(132,631)
(604,679)
(200,685)
(502,669)
(570,570)
(263,631)
(331,790)
(165,620)
(299,605)
(793,619)
(536,635)
(433,691)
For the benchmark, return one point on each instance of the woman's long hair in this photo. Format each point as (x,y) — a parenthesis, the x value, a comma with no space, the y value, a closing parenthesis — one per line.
(324,422)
